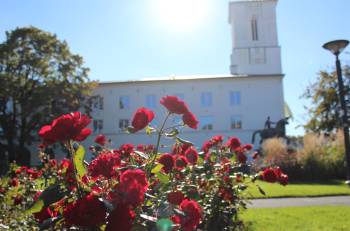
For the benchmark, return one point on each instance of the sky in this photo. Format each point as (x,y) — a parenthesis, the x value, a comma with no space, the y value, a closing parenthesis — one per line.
(135,39)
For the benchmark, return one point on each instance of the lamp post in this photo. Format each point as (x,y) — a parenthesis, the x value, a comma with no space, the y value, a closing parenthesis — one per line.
(336,47)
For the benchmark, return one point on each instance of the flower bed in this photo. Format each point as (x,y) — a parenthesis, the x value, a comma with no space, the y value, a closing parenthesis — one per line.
(135,188)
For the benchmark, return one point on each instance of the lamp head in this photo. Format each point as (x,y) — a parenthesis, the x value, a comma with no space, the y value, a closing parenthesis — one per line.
(336,46)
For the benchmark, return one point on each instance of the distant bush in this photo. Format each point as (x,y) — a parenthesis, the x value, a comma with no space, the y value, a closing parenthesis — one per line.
(277,152)
(319,156)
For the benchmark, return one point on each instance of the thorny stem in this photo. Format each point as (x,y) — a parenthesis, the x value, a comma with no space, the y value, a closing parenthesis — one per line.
(158,143)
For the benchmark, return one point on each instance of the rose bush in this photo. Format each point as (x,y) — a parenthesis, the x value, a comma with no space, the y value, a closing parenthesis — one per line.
(135,188)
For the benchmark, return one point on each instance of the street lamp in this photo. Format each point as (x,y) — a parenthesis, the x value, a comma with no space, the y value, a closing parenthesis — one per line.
(336,47)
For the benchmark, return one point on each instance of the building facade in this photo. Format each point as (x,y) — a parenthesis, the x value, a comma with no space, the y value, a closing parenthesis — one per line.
(224,105)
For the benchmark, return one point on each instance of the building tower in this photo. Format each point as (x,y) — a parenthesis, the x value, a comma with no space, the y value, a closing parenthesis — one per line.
(255,49)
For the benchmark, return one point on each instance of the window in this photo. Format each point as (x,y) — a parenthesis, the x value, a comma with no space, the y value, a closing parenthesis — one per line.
(254,25)
(123,124)
(151,101)
(124,102)
(206,99)
(236,122)
(206,122)
(97,125)
(235,98)
(97,103)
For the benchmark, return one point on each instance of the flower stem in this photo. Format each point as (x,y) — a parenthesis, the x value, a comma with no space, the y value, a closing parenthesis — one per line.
(72,154)
(158,143)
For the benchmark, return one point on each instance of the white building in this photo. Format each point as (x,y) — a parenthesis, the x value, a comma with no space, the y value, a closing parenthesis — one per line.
(232,105)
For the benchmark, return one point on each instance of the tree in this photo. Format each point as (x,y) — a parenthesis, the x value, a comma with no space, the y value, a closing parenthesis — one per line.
(40,79)
(325,105)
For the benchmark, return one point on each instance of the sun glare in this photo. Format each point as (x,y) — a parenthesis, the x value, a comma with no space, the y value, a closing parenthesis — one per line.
(181,15)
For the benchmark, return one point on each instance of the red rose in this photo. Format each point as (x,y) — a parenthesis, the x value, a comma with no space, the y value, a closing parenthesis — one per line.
(88,211)
(66,127)
(121,218)
(190,120)
(45,213)
(174,104)
(180,149)
(180,162)
(233,143)
(176,197)
(142,118)
(248,147)
(215,140)
(167,160)
(104,164)
(191,155)
(126,149)
(66,168)
(33,173)
(21,169)
(14,182)
(101,139)
(17,199)
(283,179)
(206,146)
(131,188)
(242,158)
(193,215)
(274,174)
(226,193)
(2,190)
(140,147)
(269,175)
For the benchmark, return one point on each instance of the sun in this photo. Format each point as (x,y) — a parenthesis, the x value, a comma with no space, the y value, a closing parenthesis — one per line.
(181,15)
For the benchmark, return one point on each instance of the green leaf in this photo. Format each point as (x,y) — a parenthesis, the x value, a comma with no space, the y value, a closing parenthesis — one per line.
(50,195)
(261,190)
(79,161)
(183,141)
(173,133)
(164,224)
(150,130)
(163,178)
(142,154)
(157,168)
(36,207)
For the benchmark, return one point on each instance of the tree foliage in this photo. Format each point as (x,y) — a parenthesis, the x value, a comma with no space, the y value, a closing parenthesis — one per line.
(40,79)
(325,107)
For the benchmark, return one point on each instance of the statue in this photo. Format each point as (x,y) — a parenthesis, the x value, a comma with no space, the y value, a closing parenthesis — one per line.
(269,132)
(268,123)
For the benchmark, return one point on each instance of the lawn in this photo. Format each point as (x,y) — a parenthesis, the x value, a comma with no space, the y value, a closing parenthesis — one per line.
(315,218)
(299,189)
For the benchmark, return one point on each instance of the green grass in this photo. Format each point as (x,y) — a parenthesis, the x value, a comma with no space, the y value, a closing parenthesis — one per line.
(299,189)
(317,218)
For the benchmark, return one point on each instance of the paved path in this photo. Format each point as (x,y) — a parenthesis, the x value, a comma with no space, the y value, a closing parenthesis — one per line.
(305,201)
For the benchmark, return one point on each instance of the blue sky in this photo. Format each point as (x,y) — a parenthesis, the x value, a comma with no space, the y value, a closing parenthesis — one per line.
(130,39)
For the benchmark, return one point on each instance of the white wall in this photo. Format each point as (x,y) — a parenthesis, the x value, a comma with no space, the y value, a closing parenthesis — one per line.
(241,14)
(261,96)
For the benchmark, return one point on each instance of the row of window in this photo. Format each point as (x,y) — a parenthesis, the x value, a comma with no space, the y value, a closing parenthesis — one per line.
(206,100)
(205,123)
